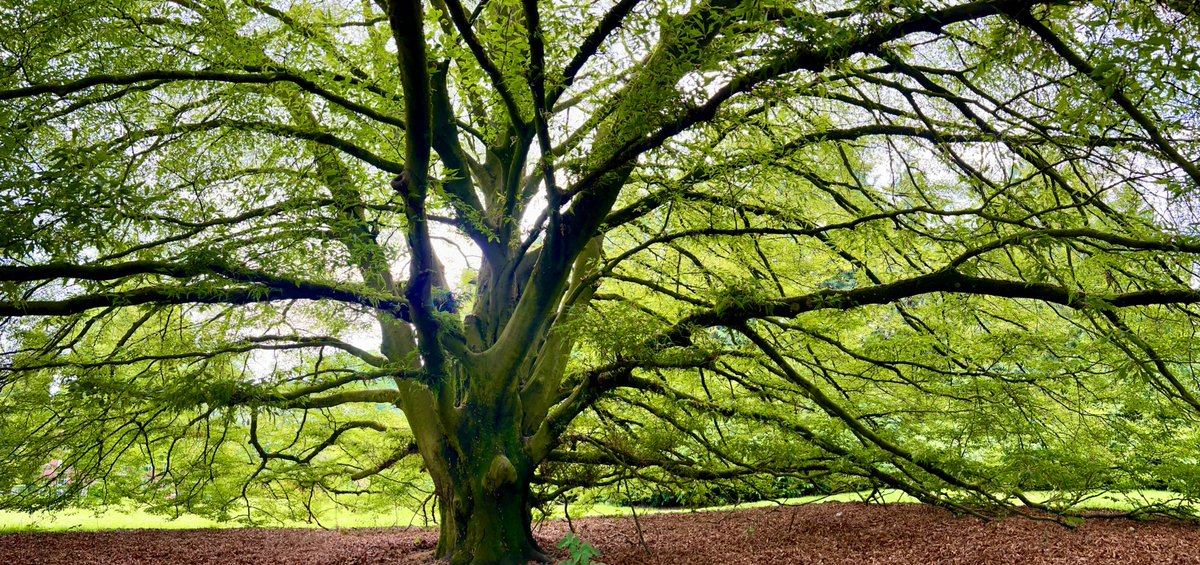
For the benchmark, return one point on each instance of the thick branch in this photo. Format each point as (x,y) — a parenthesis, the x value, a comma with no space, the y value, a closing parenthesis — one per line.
(412,184)
(273,287)
(943,281)
(459,16)
(268,77)
(610,22)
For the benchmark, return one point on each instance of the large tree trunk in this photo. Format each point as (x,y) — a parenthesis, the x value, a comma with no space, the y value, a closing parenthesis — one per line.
(480,525)
(475,453)
(485,502)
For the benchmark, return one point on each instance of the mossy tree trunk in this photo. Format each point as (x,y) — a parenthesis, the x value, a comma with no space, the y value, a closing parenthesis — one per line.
(482,464)
(486,504)
(490,404)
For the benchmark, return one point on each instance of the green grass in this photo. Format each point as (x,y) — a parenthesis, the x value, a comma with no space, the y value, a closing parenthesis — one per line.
(1118,500)
(130,518)
(609,510)
(112,518)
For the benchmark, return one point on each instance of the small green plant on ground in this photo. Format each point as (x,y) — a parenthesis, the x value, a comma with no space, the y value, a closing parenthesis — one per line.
(581,552)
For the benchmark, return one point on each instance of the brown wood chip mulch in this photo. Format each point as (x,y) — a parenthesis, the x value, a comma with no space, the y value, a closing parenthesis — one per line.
(856,534)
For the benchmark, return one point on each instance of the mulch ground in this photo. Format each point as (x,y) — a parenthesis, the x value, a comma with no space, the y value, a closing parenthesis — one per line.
(857,534)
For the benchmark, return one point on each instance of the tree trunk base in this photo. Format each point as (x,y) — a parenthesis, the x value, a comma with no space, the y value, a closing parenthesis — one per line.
(485,526)
(468,557)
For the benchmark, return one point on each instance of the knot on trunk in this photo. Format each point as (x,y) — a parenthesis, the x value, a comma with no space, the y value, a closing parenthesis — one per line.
(401,182)
(500,473)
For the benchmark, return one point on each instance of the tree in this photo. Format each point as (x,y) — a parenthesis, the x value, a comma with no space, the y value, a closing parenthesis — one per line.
(943,248)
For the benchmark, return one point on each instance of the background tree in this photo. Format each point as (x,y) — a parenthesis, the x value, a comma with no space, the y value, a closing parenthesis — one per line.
(944,248)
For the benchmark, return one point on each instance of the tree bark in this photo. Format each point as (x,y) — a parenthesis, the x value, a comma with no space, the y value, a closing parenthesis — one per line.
(484,498)
(486,524)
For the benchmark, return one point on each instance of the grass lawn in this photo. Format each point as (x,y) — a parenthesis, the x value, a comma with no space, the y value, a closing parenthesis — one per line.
(130,518)
(80,519)
(610,510)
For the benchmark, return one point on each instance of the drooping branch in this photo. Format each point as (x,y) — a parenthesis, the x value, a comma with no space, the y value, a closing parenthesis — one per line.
(369,396)
(408,450)
(275,129)
(839,412)
(256,343)
(1112,89)
(184,295)
(1179,244)
(942,281)
(591,387)
(270,287)
(166,76)
(812,59)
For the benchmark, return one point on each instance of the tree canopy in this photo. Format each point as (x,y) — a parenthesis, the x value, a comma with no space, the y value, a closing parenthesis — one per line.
(272,248)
